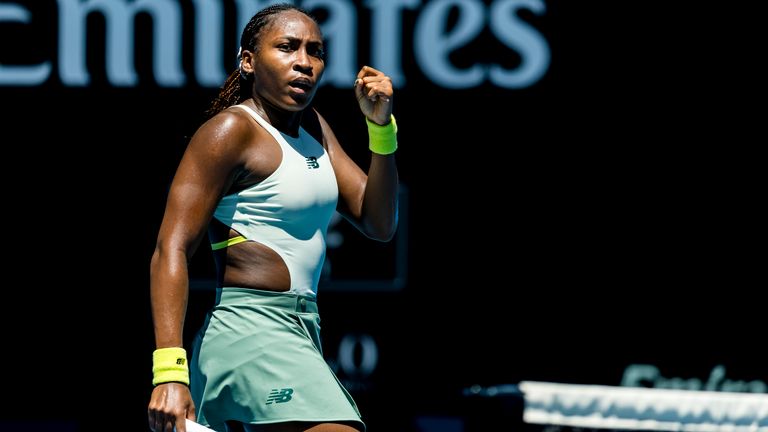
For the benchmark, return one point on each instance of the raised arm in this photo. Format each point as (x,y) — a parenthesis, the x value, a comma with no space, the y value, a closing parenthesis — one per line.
(204,174)
(369,201)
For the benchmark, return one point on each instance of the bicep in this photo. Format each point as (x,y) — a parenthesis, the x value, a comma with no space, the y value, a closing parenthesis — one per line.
(205,172)
(190,205)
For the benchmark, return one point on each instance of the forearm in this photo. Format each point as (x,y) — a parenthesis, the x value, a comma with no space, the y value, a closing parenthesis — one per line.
(169,292)
(380,200)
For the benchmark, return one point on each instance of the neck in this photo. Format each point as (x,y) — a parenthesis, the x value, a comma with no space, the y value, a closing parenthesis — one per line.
(287,122)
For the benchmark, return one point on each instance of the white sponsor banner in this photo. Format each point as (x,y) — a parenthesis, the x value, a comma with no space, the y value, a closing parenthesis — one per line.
(442,27)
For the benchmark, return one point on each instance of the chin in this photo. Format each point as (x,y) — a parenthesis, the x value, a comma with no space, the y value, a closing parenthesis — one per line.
(298,103)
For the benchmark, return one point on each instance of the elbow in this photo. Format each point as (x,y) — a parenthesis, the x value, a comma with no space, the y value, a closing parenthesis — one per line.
(382,232)
(154,263)
(167,256)
(379,222)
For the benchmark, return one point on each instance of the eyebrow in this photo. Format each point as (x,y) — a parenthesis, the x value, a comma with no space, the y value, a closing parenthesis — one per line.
(295,39)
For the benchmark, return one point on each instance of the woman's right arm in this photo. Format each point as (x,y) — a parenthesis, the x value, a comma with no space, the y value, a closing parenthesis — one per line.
(205,172)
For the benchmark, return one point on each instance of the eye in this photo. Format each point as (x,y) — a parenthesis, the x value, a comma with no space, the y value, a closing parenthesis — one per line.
(285,47)
(319,54)
(316,51)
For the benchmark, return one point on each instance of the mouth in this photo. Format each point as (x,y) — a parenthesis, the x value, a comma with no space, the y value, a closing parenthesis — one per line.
(301,85)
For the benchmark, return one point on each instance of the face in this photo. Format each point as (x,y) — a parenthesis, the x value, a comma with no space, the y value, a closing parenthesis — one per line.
(288,61)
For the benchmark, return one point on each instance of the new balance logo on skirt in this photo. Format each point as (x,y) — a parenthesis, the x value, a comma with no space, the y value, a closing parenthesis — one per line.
(279,395)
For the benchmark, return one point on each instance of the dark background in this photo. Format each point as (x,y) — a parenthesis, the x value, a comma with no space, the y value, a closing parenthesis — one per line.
(607,215)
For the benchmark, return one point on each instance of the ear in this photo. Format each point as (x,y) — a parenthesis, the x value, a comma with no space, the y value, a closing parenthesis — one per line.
(246,63)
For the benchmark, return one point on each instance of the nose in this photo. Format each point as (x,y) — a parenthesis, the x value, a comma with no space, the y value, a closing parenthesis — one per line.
(303,62)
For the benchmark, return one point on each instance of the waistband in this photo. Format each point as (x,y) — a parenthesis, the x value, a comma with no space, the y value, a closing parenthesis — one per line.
(254,297)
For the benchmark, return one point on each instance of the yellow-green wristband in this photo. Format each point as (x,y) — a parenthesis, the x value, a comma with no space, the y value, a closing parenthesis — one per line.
(170,365)
(382,139)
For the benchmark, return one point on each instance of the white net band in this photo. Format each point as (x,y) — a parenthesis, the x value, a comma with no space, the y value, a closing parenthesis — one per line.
(606,407)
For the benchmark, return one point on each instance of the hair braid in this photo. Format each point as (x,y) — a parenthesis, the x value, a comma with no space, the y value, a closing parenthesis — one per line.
(228,95)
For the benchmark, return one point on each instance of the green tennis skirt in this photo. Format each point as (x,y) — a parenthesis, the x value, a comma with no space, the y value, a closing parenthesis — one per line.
(258,360)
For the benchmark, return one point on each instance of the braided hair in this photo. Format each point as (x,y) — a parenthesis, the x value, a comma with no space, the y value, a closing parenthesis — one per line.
(237,87)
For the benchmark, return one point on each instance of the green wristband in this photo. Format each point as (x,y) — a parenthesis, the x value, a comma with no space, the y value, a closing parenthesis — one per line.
(170,365)
(382,139)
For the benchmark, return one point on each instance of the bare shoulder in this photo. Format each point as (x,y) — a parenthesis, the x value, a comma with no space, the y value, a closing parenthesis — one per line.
(228,131)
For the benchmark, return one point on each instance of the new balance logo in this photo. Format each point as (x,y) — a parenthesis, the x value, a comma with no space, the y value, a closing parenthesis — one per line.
(180,361)
(312,162)
(279,395)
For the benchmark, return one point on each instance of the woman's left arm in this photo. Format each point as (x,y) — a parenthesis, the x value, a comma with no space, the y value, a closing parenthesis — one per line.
(369,201)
